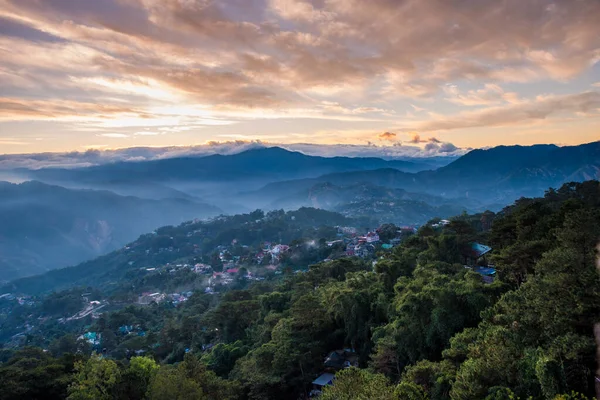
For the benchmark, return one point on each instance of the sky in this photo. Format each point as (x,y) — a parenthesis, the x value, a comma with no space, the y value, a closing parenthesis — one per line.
(438,75)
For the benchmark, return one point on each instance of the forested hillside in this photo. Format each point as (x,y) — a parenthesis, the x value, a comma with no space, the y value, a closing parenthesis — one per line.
(415,324)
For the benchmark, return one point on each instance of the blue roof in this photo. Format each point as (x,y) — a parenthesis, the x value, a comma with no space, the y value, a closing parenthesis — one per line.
(486,271)
(476,250)
(324,380)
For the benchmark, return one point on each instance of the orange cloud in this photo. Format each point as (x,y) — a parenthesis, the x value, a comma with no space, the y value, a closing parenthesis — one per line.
(391,136)
(416,139)
(524,112)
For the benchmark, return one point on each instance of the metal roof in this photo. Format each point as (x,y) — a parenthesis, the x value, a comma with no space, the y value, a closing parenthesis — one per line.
(477,250)
(486,271)
(325,379)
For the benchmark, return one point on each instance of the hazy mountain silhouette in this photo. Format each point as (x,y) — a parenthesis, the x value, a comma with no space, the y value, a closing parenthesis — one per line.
(44,227)
(492,176)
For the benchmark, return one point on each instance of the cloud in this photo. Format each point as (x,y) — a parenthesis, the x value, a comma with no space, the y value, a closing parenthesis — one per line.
(98,155)
(538,109)
(114,135)
(120,63)
(490,94)
(391,136)
(416,139)
(231,51)
(148,133)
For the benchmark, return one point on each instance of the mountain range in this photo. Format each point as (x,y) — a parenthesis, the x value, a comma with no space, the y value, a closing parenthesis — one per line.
(492,177)
(73,214)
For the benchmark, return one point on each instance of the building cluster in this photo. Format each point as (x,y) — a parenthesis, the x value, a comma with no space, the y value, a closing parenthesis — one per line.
(474,257)
(135,330)
(149,298)
(440,224)
(91,308)
(158,297)
(22,300)
(335,361)
(366,246)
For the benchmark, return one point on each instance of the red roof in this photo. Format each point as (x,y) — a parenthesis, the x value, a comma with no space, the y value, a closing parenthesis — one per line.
(232,270)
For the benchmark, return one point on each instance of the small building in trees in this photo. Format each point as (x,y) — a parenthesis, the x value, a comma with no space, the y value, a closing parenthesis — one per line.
(319,383)
(340,359)
(474,252)
(488,273)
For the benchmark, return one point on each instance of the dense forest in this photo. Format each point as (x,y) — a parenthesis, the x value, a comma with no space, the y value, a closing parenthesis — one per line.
(417,323)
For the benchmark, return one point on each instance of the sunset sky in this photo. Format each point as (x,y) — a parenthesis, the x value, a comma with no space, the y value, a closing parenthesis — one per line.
(441,74)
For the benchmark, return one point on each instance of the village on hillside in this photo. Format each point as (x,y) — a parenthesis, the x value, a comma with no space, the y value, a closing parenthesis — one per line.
(234,265)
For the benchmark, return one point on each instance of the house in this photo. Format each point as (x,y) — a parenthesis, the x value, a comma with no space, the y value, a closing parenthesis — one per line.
(340,359)
(148,298)
(201,268)
(364,250)
(372,237)
(319,383)
(488,273)
(278,249)
(350,249)
(442,223)
(92,338)
(474,251)
(125,329)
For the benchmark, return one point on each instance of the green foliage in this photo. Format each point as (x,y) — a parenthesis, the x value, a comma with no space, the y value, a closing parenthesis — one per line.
(137,377)
(31,373)
(190,380)
(425,326)
(434,379)
(359,384)
(223,356)
(69,343)
(96,379)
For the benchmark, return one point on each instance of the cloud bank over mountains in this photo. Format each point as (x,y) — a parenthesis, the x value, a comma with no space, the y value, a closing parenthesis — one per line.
(98,157)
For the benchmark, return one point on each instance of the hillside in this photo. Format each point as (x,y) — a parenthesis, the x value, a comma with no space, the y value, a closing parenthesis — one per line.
(190,240)
(43,227)
(431,318)
(381,203)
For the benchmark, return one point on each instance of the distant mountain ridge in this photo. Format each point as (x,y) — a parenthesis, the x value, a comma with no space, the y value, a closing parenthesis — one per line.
(212,177)
(44,227)
(493,176)
(270,161)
